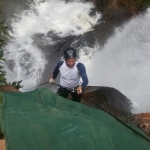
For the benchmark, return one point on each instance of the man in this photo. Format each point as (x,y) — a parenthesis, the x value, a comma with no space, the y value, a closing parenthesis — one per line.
(70,73)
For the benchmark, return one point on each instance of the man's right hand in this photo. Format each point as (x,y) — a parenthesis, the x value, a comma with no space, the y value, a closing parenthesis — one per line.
(51,81)
(79,90)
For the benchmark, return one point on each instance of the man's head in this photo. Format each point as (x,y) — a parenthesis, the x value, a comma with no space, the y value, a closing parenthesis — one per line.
(70,56)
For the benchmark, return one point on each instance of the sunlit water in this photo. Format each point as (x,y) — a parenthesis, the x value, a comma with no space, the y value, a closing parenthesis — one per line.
(124,63)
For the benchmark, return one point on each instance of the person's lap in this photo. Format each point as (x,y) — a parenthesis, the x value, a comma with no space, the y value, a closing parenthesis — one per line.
(64,92)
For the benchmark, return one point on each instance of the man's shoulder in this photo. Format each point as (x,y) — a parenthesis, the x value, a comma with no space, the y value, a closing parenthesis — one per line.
(60,63)
(80,66)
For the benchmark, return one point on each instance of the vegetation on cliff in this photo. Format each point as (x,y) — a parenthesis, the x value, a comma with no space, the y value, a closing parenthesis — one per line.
(142,4)
(3,80)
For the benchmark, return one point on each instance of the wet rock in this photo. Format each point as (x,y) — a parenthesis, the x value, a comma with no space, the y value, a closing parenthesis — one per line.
(142,121)
(117,105)
(109,100)
(116,11)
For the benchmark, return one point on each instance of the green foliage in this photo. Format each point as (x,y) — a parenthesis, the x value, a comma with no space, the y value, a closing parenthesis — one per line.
(142,3)
(3,28)
(2,78)
(3,31)
(16,84)
(2,61)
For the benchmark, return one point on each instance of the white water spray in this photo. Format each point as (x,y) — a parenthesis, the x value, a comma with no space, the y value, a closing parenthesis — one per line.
(124,63)
(52,15)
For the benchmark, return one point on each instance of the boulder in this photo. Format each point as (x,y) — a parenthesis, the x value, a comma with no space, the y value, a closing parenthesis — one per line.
(108,99)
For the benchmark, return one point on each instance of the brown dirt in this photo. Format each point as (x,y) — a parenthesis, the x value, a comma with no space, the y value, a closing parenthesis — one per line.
(143,122)
(8,88)
(2,145)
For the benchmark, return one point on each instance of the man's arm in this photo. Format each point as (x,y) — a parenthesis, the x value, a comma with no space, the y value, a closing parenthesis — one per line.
(56,70)
(83,74)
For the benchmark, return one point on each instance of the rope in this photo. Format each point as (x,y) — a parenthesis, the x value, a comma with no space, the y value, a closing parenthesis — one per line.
(42,84)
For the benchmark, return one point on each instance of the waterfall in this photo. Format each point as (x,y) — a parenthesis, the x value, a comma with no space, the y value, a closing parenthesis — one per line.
(124,62)
(30,36)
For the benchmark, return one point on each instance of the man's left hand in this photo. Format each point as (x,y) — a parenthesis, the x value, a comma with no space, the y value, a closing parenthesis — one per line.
(79,90)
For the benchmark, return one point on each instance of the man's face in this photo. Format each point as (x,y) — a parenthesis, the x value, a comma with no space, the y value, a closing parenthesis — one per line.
(70,62)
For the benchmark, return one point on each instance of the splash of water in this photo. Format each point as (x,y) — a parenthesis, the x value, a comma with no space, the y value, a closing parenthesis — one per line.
(54,15)
(124,63)
(62,18)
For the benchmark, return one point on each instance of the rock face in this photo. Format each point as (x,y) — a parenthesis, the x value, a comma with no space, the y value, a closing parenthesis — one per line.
(107,99)
(117,105)
(142,121)
(116,11)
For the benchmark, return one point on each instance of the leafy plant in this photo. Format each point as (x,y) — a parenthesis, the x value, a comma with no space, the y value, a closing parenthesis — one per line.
(3,81)
(2,61)
(3,28)
(16,84)
(2,72)
(3,31)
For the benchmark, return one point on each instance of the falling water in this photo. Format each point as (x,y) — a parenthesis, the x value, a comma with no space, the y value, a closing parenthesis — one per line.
(25,60)
(124,62)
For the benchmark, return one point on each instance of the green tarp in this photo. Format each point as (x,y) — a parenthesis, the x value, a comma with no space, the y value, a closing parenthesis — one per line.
(42,120)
